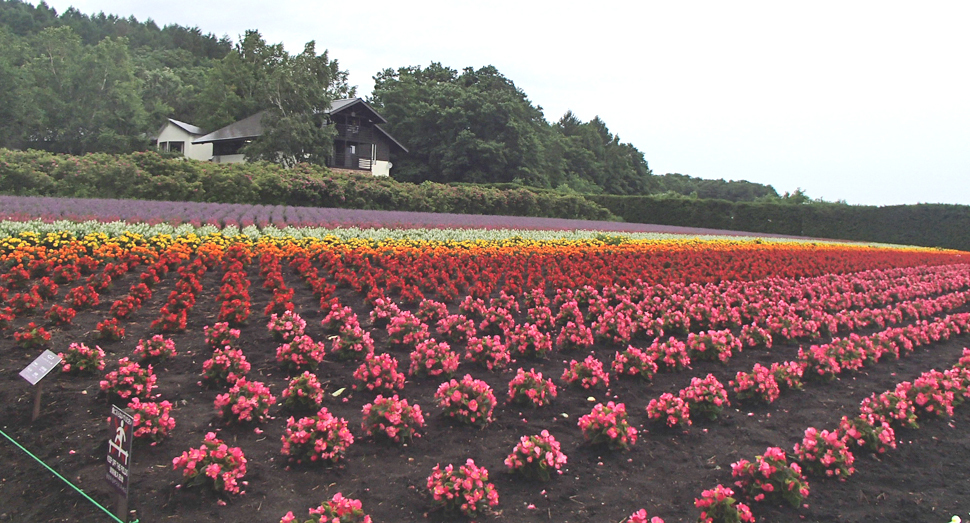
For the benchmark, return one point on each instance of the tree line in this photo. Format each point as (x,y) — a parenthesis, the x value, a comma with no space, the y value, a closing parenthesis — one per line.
(76,83)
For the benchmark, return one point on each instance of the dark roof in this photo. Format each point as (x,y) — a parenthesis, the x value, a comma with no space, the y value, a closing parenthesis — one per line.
(251,127)
(354,104)
(243,129)
(187,127)
(391,138)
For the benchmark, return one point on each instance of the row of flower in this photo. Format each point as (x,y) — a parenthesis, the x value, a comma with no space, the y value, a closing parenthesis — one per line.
(902,294)
(829,453)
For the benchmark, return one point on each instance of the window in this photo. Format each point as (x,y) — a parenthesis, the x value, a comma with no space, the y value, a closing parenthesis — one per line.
(176,147)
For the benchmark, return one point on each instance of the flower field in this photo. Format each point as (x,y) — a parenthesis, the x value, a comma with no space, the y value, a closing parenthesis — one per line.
(294,373)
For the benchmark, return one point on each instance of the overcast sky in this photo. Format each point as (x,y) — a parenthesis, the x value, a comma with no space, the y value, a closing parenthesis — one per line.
(868,102)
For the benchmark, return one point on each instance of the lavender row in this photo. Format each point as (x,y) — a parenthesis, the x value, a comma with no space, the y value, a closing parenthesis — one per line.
(242,215)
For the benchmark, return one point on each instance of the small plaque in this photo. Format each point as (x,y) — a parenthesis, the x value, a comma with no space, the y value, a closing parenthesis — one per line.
(119,450)
(40,367)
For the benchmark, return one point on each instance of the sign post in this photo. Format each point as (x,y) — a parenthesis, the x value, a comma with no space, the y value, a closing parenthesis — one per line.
(36,371)
(119,458)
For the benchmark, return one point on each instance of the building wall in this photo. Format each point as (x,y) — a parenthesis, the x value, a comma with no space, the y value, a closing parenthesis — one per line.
(174,133)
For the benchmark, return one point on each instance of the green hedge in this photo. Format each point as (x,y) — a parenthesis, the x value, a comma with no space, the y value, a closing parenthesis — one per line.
(151,176)
(928,225)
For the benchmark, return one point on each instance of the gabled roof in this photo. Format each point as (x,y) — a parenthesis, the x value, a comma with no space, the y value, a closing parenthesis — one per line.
(187,127)
(346,105)
(391,138)
(243,129)
(252,127)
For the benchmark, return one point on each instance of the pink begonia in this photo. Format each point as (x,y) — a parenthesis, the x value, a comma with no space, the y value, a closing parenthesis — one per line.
(316,438)
(246,401)
(196,465)
(587,374)
(635,362)
(129,381)
(220,335)
(530,388)
(536,456)
(488,351)
(303,392)
(608,424)
(392,418)
(705,396)
(226,366)
(673,410)
(468,401)
(640,516)
(302,353)
(80,358)
(152,420)
(379,373)
(466,489)
(825,453)
(338,510)
(432,358)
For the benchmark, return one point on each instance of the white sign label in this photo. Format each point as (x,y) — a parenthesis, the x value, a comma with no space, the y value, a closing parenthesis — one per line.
(40,367)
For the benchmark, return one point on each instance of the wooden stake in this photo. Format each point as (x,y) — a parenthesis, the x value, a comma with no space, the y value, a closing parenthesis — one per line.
(121,506)
(37,391)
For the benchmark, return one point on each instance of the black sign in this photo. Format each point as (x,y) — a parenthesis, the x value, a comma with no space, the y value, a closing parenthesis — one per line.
(119,450)
(40,367)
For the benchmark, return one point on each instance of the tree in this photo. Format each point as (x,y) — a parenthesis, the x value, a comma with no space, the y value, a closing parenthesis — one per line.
(82,99)
(294,91)
(470,127)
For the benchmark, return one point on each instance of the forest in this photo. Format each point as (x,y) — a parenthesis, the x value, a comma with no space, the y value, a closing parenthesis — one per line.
(76,83)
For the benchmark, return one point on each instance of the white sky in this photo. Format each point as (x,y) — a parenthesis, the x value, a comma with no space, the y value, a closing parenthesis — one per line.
(866,101)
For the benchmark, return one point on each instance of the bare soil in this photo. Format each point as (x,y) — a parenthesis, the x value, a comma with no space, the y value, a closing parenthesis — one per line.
(926,479)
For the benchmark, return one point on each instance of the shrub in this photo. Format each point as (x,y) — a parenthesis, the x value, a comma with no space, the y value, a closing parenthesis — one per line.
(129,381)
(338,510)
(529,388)
(466,489)
(225,367)
(431,358)
(247,401)
(214,462)
(587,374)
(378,373)
(635,362)
(536,456)
(488,351)
(316,438)
(825,453)
(151,420)
(392,418)
(79,359)
(771,476)
(468,401)
(220,335)
(303,392)
(157,348)
(607,424)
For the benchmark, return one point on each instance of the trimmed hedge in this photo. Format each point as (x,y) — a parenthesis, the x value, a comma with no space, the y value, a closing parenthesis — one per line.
(150,176)
(928,225)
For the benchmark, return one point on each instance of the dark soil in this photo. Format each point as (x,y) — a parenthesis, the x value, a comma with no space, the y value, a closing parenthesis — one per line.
(926,479)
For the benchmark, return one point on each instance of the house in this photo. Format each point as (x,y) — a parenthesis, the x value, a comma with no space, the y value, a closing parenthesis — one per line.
(360,144)
(177,137)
